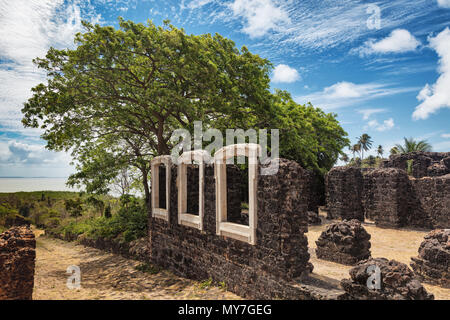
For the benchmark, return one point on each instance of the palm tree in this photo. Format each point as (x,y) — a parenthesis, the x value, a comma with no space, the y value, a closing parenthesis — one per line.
(393,150)
(344,158)
(380,151)
(411,145)
(355,148)
(365,141)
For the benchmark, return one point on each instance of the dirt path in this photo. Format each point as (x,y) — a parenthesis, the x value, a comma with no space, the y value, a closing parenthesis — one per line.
(110,276)
(107,276)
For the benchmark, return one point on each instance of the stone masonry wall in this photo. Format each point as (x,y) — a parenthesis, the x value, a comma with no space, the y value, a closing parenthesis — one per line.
(344,187)
(389,197)
(17,260)
(433,200)
(252,271)
(385,196)
(424,164)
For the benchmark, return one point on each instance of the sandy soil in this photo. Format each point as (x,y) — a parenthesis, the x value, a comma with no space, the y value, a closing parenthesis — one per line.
(110,276)
(398,244)
(107,276)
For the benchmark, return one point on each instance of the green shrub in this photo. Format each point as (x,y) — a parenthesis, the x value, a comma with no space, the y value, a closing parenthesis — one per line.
(148,268)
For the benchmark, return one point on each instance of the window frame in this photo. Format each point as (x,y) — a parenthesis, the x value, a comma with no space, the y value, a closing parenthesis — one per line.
(158,212)
(223,227)
(185,218)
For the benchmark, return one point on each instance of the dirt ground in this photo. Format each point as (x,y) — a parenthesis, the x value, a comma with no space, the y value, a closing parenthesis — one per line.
(398,244)
(110,276)
(106,276)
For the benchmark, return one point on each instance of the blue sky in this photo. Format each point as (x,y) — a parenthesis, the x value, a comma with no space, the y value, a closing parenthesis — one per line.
(382,66)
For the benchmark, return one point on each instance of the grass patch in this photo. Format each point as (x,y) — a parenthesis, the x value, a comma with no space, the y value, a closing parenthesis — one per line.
(205,284)
(148,268)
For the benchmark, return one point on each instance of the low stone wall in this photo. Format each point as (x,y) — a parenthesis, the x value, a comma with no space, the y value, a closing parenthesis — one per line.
(433,263)
(137,249)
(269,269)
(344,187)
(397,282)
(17,261)
(345,242)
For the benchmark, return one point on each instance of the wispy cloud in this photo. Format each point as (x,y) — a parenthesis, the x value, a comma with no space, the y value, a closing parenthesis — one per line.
(436,96)
(385,126)
(345,94)
(445,135)
(29,28)
(367,113)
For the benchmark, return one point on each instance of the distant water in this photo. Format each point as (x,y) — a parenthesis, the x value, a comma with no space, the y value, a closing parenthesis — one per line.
(34,184)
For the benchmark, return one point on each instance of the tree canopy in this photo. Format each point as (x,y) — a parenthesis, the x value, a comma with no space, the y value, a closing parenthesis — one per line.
(114,100)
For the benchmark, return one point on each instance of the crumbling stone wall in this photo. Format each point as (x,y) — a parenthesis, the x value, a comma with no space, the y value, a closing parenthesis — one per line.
(385,196)
(344,187)
(17,259)
(389,197)
(433,263)
(432,201)
(397,282)
(345,242)
(253,271)
(424,164)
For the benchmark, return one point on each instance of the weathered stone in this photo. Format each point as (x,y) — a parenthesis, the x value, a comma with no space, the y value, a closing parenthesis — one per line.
(17,260)
(385,197)
(397,282)
(433,263)
(254,271)
(345,242)
(313,218)
(430,197)
(344,187)
(421,162)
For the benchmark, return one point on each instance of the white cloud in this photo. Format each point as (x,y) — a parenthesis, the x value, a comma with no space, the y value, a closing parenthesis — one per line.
(261,16)
(29,28)
(436,96)
(15,153)
(369,112)
(445,135)
(385,126)
(443,3)
(284,73)
(344,94)
(398,41)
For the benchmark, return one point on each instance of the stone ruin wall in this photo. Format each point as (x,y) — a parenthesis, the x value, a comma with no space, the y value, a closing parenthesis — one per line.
(344,193)
(389,196)
(17,260)
(260,271)
(424,164)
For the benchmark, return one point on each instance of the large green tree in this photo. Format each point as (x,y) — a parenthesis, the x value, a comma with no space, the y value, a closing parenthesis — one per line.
(114,100)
